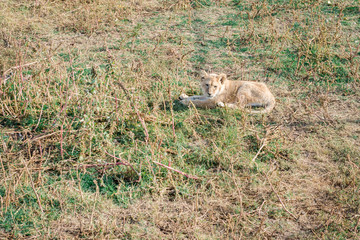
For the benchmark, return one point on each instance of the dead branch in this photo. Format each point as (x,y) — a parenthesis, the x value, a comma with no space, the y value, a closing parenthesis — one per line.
(277,195)
(185,54)
(124,162)
(175,170)
(259,151)
(17,67)
(102,165)
(110,165)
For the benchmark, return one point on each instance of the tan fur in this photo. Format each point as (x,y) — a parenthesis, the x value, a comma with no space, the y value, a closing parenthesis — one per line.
(219,91)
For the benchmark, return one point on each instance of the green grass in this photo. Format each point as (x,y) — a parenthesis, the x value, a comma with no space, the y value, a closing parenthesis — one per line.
(65,120)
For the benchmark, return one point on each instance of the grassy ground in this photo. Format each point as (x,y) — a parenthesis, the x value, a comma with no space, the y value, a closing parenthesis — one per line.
(66,121)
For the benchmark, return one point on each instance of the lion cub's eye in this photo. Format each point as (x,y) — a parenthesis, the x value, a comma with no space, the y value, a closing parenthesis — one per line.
(215,86)
(207,85)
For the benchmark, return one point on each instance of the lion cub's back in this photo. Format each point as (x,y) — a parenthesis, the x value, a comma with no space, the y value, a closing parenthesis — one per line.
(253,89)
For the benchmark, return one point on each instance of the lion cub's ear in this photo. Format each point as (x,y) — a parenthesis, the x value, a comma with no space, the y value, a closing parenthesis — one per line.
(203,74)
(222,78)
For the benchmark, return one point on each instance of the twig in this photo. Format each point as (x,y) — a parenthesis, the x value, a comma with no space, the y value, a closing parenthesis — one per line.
(2,206)
(277,195)
(152,172)
(124,162)
(258,152)
(33,186)
(172,114)
(102,165)
(109,165)
(38,137)
(175,170)
(95,201)
(42,108)
(226,30)
(357,224)
(43,136)
(136,111)
(62,140)
(65,105)
(185,54)
(19,66)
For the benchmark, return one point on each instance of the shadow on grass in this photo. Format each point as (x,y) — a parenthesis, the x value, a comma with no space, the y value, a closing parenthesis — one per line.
(176,106)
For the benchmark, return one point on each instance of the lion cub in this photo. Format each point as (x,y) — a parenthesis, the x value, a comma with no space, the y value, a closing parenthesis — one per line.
(219,91)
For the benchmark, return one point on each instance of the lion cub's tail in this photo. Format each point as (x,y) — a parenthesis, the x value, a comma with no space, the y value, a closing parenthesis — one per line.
(267,106)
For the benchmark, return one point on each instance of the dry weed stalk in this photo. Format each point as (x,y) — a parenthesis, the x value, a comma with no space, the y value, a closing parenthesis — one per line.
(277,195)
(33,186)
(263,144)
(123,162)
(132,103)
(172,114)
(175,170)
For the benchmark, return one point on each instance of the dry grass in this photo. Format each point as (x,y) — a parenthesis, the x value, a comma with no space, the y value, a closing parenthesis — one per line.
(292,174)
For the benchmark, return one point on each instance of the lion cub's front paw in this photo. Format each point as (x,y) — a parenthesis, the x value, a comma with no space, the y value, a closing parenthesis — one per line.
(220,104)
(183,96)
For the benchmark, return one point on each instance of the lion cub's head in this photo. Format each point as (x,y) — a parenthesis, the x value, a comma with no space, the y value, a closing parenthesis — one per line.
(212,84)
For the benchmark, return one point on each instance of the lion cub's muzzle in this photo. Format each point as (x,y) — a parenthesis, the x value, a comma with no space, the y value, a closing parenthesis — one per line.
(212,95)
